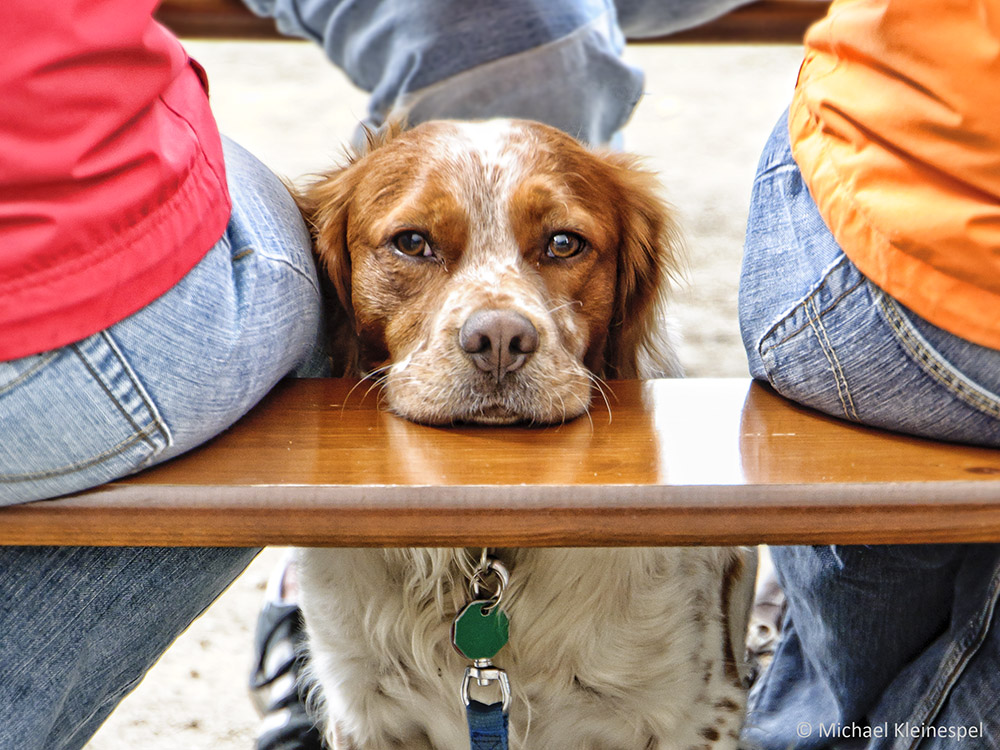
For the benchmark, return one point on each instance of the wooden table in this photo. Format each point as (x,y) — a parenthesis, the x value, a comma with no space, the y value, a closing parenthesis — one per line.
(673,462)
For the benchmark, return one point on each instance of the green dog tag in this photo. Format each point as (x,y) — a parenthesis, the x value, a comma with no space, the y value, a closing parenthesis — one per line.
(479,636)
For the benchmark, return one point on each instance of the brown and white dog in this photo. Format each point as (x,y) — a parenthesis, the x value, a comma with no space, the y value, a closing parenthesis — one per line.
(492,272)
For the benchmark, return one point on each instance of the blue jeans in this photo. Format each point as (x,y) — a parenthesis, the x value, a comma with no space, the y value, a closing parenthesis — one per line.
(883,647)
(80,626)
(557,61)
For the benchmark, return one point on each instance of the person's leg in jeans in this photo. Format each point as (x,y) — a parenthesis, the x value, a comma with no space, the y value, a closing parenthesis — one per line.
(900,633)
(555,61)
(642,19)
(80,626)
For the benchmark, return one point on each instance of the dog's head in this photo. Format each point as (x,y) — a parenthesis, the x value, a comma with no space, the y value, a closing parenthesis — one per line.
(489,270)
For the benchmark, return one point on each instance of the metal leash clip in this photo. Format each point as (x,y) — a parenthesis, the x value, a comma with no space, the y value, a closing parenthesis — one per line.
(478,633)
(484,675)
(488,565)
(481,629)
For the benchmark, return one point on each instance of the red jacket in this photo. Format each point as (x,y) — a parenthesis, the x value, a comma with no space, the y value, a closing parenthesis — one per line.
(112,182)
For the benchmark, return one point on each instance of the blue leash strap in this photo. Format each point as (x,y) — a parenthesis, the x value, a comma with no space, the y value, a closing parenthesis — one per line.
(487,725)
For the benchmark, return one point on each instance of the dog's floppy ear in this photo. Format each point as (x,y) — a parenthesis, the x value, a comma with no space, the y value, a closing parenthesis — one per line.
(649,260)
(325,204)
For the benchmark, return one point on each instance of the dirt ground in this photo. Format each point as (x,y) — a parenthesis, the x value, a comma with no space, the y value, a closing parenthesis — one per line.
(706,113)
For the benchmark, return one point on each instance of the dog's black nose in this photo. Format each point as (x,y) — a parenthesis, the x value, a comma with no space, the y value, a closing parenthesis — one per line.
(498,341)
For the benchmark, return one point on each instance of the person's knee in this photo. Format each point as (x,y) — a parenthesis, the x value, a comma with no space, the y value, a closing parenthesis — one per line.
(578,84)
(556,61)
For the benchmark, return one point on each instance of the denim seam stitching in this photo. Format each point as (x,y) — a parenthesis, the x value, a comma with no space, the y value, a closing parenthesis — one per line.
(114,399)
(840,379)
(284,262)
(829,309)
(819,339)
(43,361)
(156,421)
(799,305)
(931,364)
(141,436)
(941,688)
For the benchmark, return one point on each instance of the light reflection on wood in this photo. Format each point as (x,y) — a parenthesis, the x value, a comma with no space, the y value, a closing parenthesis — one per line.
(677,462)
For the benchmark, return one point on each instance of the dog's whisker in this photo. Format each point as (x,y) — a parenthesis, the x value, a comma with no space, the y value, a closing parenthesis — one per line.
(376,383)
(368,376)
(569,303)
(562,407)
(602,388)
(382,637)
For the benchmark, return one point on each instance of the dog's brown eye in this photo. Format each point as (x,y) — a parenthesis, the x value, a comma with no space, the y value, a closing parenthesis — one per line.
(412,243)
(565,245)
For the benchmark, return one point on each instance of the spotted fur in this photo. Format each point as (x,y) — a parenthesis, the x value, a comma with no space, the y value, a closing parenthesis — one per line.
(610,648)
(605,651)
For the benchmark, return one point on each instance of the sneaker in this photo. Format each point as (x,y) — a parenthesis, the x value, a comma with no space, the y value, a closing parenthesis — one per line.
(275,684)
(766,617)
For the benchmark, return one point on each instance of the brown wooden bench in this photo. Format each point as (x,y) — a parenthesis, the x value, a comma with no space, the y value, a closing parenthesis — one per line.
(676,462)
(696,461)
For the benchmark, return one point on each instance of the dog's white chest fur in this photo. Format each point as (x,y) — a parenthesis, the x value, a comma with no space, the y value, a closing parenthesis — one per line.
(609,648)
(493,273)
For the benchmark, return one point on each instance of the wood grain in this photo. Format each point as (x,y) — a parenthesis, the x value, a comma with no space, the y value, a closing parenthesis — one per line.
(696,461)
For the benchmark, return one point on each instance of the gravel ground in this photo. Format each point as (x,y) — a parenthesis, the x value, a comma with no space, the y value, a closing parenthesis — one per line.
(706,114)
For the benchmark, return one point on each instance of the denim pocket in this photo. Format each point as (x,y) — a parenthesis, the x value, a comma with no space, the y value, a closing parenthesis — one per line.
(848,350)
(807,354)
(970,373)
(71,419)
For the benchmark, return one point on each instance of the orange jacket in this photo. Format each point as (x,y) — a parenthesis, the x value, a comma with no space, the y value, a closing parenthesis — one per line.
(895,124)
